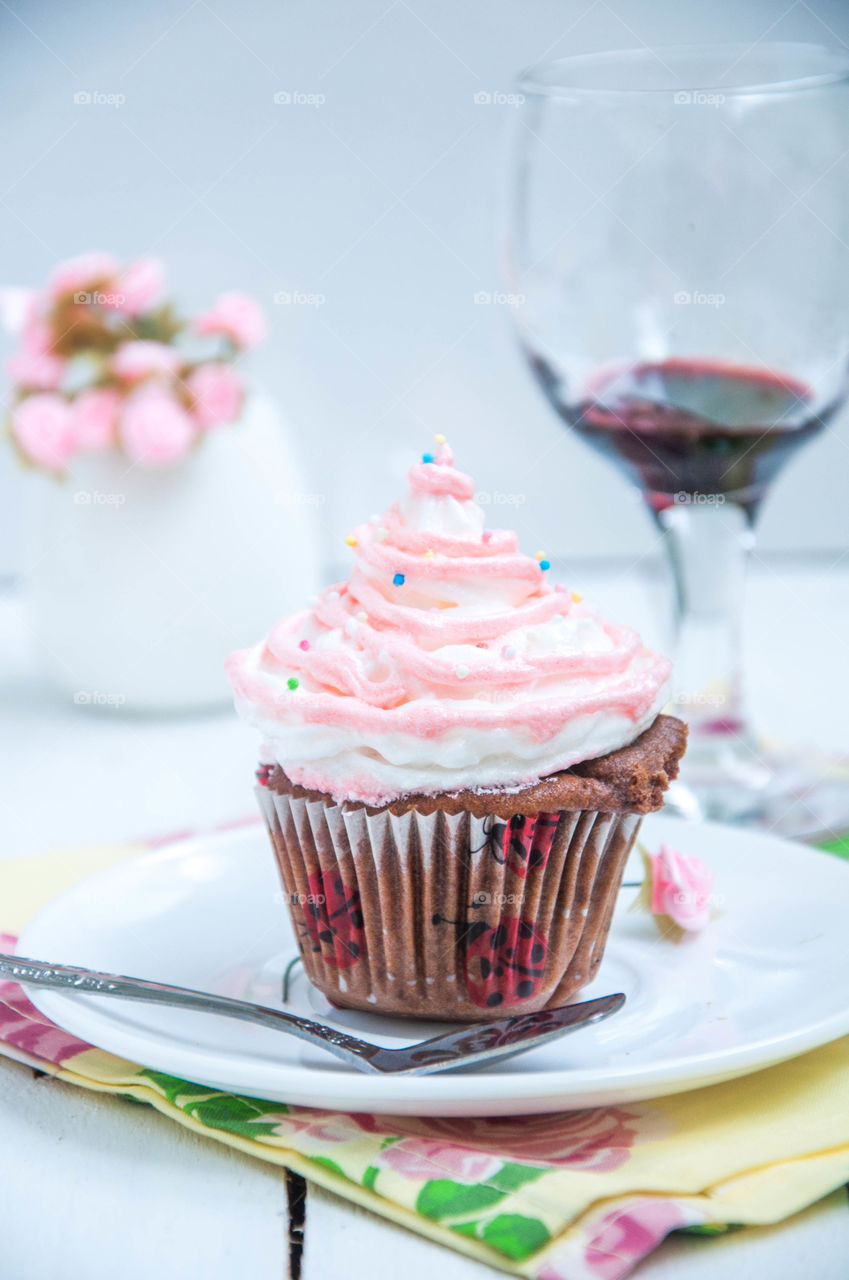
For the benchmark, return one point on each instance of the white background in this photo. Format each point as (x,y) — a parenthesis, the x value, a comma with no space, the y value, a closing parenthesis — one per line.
(385,199)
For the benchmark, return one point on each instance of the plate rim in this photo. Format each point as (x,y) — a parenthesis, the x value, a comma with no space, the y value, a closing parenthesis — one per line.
(74,1013)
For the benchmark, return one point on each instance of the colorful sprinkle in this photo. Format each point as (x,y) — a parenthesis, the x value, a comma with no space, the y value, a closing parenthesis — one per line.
(427,457)
(305,644)
(429,555)
(461,672)
(293,683)
(439,438)
(351,540)
(398,580)
(577,597)
(545,564)
(508,651)
(362,616)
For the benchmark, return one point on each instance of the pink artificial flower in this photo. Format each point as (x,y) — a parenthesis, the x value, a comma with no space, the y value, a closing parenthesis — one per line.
(34,365)
(155,429)
(139,285)
(217,394)
(36,371)
(677,890)
(234,316)
(37,335)
(74,275)
(422,1159)
(94,418)
(41,425)
(140,359)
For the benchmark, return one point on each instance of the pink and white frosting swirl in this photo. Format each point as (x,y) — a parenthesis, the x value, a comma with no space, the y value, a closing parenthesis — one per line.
(446,662)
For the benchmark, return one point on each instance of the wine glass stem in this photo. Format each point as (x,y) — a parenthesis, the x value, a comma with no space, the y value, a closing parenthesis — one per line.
(708,540)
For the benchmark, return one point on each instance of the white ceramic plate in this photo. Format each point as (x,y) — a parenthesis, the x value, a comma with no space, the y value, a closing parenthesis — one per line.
(764,982)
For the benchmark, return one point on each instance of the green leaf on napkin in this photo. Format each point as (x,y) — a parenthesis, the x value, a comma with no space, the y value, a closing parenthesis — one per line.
(511,1176)
(233,1114)
(510,1233)
(442,1198)
(515,1235)
(174,1088)
(839,847)
(332,1165)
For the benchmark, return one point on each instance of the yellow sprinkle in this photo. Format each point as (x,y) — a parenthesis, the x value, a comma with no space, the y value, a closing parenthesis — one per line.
(439,438)
(429,555)
(577,597)
(351,540)
(540,555)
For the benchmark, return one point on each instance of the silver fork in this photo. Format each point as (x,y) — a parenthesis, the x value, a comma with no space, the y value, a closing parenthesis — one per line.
(477,1042)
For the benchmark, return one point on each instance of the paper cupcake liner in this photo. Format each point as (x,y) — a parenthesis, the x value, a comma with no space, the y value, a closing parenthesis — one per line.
(448,917)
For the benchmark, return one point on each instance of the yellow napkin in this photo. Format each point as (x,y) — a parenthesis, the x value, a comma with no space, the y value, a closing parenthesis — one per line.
(579,1195)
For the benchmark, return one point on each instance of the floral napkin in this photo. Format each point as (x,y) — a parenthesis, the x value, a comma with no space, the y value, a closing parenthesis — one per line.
(580,1195)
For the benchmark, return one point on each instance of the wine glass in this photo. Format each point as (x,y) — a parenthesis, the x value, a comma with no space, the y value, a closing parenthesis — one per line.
(679,252)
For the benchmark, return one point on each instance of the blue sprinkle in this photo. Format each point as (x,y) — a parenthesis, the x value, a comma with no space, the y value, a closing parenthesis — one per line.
(398,580)
(545,564)
(427,457)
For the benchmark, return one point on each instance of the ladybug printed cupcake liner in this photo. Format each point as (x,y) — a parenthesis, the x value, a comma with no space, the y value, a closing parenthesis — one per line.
(447,917)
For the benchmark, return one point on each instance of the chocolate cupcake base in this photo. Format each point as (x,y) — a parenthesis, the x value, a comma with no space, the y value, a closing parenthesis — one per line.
(452,907)
(448,917)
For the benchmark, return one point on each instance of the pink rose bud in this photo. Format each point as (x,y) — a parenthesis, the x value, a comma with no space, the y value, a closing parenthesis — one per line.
(94,418)
(677,890)
(155,429)
(142,359)
(37,336)
(34,365)
(35,371)
(77,274)
(216,393)
(234,316)
(139,285)
(41,425)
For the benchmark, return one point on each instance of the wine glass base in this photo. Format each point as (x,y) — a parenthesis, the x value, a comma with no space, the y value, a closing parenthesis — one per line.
(799,793)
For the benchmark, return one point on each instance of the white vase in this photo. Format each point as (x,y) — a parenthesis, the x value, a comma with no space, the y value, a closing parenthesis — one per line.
(144,579)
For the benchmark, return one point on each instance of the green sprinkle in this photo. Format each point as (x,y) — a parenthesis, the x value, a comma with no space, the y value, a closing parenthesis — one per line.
(292,682)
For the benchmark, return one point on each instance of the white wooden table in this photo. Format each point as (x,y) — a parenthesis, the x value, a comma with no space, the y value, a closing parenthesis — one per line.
(94,1187)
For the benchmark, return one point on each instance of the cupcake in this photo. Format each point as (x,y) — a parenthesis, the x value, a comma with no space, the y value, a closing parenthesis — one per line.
(457,755)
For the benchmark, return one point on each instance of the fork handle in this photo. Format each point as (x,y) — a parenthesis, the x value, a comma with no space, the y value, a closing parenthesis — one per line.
(63,977)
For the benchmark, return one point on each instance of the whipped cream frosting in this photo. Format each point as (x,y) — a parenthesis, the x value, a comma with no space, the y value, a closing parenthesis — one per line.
(446,662)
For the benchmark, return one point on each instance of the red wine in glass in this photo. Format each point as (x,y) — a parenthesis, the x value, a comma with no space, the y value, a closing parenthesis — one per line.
(691,426)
